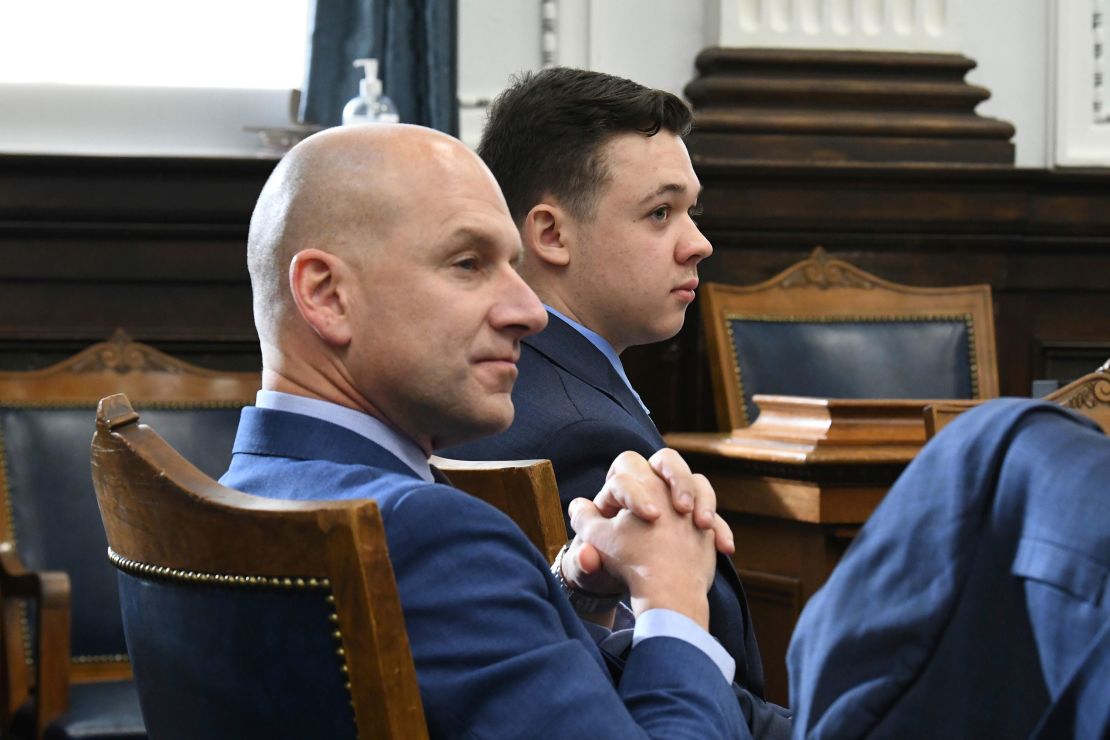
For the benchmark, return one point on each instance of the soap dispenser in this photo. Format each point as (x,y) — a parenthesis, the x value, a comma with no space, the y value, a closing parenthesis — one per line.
(370,106)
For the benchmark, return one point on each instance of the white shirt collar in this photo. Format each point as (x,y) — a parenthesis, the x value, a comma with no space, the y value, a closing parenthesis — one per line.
(358,422)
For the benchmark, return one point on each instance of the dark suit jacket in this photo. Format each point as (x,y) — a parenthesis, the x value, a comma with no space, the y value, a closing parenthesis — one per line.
(499,651)
(974,603)
(573,408)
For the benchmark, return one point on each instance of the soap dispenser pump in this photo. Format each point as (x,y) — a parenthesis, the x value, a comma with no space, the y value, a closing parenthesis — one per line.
(370,106)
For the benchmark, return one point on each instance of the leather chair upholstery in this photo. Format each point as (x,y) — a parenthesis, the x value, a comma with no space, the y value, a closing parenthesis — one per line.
(918,358)
(212,656)
(104,710)
(50,516)
(827,329)
(58,497)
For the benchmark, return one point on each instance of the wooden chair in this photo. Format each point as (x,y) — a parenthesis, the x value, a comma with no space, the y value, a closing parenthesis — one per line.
(1089,395)
(825,328)
(247,616)
(49,524)
(940,415)
(525,490)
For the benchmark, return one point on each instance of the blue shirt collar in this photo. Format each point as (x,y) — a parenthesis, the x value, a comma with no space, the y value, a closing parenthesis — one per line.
(605,348)
(381,434)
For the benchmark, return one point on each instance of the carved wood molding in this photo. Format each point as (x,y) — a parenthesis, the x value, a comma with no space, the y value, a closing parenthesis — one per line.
(822,271)
(815,105)
(121,354)
(1088,393)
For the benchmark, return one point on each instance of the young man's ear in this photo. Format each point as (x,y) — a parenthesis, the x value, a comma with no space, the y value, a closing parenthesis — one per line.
(545,235)
(315,279)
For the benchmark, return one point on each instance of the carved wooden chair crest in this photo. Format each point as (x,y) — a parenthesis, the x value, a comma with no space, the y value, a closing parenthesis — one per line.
(1089,395)
(826,328)
(49,524)
(246,616)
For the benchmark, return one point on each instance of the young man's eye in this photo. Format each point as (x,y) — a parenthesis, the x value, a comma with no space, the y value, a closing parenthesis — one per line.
(468,264)
(661,213)
(695,211)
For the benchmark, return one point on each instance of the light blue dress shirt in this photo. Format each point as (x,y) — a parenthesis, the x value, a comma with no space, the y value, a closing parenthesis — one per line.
(651,623)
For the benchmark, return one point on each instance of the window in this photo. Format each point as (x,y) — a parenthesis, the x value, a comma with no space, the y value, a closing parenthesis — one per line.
(147,76)
(185,43)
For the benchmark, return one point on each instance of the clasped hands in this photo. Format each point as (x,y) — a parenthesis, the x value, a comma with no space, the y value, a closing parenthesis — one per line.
(652,530)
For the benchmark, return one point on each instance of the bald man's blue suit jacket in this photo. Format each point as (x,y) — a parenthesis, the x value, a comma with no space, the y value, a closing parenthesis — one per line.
(975,602)
(499,651)
(574,409)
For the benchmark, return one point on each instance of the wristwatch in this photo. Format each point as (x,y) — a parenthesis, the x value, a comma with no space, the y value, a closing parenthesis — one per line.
(584,602)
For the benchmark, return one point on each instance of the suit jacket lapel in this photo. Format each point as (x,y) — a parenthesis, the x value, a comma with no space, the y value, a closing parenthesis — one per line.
(284,434)
(561,344)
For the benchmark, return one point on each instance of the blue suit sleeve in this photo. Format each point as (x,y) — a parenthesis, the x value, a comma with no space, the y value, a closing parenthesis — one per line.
(500,653)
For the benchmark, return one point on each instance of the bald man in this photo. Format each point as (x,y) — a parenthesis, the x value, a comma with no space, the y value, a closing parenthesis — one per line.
(382,260)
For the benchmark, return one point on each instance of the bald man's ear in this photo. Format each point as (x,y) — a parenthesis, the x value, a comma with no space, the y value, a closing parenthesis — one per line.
(545,236)
(320,294)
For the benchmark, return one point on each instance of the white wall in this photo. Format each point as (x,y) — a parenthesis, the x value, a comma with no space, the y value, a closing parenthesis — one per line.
(136,121)
(147,77)
(1009,39)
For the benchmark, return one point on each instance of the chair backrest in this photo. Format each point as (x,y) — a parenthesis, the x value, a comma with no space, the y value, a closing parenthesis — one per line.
(1089,396)
(828,329)
(247,616)
(525,490)
(46,500)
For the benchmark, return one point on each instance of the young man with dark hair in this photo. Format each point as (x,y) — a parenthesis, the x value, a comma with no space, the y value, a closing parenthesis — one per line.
(601,187)
(599,183)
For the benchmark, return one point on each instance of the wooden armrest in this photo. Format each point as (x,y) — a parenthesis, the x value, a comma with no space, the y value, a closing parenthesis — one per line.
(51,593)
(15,579)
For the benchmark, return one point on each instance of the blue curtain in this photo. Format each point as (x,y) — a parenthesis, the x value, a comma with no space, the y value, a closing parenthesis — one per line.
(414,42)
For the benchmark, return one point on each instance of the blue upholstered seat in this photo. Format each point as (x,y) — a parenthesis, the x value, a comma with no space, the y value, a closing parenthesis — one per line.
(853,358)
(824,328)
(214,660)
(51,519)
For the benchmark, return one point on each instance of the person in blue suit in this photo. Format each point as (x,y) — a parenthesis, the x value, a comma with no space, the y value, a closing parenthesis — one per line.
(390,314)
(975,602)
(600,185)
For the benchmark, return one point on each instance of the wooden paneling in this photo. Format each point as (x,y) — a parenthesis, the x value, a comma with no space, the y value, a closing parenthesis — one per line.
(153,245)
(775,602)
(817,105)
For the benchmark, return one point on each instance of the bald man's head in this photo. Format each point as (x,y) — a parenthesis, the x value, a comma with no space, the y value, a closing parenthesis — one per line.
(343,190)
(332,190)
(382,260)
